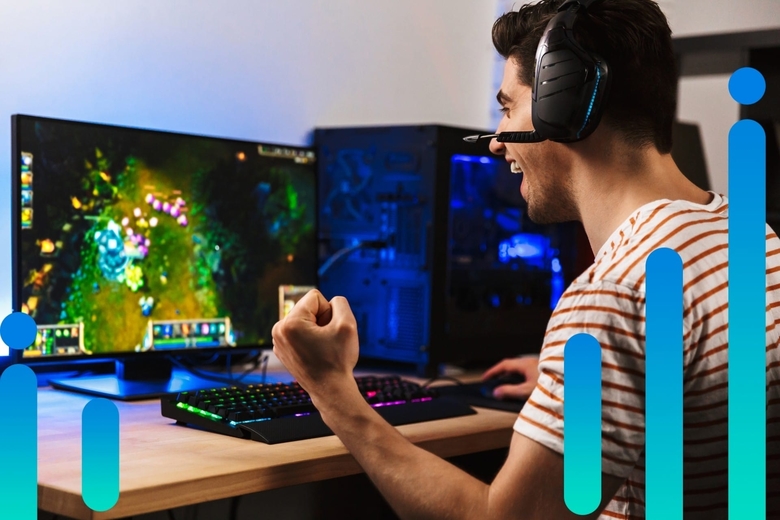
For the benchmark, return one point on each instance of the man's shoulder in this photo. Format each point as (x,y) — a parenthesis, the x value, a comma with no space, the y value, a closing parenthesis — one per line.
(598,298)
(699,234)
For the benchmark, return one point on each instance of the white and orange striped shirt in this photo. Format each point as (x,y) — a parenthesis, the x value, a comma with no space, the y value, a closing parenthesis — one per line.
(608,301)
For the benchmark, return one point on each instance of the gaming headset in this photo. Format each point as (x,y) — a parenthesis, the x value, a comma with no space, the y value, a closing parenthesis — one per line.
(569,86)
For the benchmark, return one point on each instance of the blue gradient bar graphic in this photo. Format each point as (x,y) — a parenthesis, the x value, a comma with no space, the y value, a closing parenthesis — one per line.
(582,424)
(19,444)
(100,454)
(664,386)
(747,320)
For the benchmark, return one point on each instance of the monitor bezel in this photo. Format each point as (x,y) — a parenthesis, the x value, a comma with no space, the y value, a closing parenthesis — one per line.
(16,356)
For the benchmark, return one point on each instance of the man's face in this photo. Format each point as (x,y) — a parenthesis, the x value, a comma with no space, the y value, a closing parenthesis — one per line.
(545,166)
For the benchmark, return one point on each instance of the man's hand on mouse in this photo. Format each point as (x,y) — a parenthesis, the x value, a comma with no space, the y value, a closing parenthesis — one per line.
(527,366)
(318,343)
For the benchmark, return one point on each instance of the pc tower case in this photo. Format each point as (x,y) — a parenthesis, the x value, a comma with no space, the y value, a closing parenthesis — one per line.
(428,238)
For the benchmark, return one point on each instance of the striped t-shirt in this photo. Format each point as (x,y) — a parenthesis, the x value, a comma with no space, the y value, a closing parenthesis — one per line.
(608,302)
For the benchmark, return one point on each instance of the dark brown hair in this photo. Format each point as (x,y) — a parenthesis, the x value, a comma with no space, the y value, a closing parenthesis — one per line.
(633,37)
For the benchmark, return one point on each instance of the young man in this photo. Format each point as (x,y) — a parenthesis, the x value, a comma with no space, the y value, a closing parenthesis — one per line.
(623,185)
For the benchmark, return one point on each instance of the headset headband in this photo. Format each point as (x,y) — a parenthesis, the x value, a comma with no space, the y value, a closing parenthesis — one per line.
(570,84)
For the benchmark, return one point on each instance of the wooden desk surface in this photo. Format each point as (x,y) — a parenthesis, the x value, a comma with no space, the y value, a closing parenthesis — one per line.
(163,465)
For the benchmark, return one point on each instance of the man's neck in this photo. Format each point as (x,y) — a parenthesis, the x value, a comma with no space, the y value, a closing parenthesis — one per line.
(610,189)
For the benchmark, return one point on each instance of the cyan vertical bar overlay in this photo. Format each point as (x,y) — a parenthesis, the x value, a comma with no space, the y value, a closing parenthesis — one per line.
(664,386)
(100,454)
(19,444)
(747,320)
(582,424)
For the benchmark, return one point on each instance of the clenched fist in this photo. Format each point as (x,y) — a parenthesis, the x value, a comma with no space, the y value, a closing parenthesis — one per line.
(318,344)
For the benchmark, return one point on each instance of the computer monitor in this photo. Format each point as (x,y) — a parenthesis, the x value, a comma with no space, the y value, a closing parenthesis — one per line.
(137,245)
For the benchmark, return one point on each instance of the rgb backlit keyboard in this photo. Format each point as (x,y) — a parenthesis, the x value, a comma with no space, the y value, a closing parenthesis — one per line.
(283,412)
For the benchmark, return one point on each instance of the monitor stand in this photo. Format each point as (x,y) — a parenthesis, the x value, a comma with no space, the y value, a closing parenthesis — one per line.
(135,380)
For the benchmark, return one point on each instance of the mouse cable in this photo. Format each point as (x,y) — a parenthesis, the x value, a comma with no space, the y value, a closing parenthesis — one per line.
(441,378)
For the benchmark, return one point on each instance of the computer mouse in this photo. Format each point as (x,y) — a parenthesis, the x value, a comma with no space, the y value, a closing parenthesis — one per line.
(508,379)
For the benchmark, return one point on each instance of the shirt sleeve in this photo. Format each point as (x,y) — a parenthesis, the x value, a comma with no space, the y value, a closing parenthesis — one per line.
(614,315)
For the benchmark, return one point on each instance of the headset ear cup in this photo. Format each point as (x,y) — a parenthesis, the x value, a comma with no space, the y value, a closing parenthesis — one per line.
(559,82)
(570,84)
(596,104)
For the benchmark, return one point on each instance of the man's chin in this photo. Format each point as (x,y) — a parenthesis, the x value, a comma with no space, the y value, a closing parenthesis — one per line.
(542,217)
(538,219)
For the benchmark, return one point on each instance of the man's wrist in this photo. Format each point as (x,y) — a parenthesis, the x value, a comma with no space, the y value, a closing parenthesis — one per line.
(338,398)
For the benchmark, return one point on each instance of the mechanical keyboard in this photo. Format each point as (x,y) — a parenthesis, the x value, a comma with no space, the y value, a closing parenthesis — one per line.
(283,412)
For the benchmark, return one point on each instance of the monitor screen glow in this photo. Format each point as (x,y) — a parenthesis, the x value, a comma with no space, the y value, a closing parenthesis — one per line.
(129,240)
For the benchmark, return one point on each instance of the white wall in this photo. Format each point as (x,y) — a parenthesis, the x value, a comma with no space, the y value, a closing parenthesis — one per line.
(705,99)
(698,17)
(251,69)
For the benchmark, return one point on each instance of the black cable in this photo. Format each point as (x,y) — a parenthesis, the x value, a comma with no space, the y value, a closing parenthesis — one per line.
(230,379)
(256,362)
(203,375)
(203,362)
(445,378)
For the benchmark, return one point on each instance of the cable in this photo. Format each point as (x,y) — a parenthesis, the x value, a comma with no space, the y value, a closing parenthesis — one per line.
(203,375)
(368,244)
(258,359)
(438,378)
(201,362)
(338,254)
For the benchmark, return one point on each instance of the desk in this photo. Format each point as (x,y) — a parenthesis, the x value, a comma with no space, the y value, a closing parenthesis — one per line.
(165,466)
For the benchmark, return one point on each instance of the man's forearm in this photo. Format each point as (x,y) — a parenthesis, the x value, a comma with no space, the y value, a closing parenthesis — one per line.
(416,483)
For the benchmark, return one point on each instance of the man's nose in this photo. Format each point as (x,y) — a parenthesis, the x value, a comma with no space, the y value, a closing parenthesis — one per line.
(496,147)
